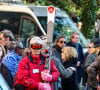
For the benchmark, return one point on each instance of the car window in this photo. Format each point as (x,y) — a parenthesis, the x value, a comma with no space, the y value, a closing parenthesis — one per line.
(10,20)
(28,28)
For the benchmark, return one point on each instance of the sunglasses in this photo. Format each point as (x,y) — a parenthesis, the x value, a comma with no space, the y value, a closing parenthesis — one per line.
(89,47)
(62,42)
(36,46)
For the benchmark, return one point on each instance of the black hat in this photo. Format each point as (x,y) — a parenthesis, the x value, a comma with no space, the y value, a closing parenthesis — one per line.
(97,42)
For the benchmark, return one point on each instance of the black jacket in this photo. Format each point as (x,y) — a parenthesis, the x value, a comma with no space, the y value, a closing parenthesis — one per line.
(70,83)
(79,49)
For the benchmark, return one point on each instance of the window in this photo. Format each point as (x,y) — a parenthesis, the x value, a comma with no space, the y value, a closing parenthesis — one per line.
(28,28)
(10,20)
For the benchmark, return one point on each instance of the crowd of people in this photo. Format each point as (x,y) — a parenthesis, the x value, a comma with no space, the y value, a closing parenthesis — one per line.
(24,67)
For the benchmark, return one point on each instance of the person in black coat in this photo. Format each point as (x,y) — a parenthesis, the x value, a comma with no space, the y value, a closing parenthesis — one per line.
(56,52)
(74,38)
(75,19)
(69,55)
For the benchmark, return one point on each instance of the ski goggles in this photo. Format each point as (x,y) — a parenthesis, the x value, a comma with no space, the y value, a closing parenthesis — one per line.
(36,46)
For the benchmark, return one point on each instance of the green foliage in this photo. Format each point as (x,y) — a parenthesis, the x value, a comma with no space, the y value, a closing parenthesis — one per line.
(88,17)
(63,4)
(77,2)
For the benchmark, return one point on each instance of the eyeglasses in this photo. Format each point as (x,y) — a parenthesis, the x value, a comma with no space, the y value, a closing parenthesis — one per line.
(36,46)
(62,42)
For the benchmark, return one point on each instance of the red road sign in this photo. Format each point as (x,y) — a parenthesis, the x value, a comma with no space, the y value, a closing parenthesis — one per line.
(51,9)
(51,14)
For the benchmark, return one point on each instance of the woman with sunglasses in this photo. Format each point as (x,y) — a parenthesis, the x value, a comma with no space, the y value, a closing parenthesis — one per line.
(58,45)
(34,77)
(56,52)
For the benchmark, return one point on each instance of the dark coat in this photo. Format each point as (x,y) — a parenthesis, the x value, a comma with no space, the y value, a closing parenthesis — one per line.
(79,49)
(94,70)
(90,59)
(56,51)
(70,83)
(80,58)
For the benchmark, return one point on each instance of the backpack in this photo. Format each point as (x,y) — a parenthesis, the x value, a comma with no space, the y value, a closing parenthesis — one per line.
(17,85)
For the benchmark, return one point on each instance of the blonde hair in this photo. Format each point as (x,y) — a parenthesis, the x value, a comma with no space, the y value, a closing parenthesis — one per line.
(69,52)
(97,50)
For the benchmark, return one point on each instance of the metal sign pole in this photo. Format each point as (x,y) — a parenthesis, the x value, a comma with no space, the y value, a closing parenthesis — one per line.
(50,29)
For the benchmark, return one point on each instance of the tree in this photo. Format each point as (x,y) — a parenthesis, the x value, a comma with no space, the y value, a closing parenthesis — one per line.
(88,17)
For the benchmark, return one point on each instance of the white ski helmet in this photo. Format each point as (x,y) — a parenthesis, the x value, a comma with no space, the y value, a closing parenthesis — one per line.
(36,40)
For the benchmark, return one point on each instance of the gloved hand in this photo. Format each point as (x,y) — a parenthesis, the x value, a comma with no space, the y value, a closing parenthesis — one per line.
(46,76)
(74,69)
(44,86)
